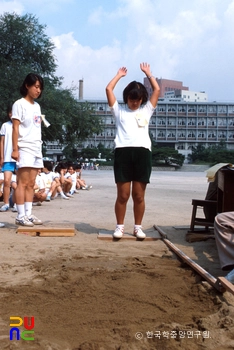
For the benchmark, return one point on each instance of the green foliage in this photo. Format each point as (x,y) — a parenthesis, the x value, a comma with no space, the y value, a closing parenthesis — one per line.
(106,153)
(212,154)
(82,122)
(167,156)
(24,48)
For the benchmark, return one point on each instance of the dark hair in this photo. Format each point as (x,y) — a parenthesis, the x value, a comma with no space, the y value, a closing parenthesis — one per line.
(48,165)
(9,108)
(135,91)
(60,166)
(30,80)
(78,166)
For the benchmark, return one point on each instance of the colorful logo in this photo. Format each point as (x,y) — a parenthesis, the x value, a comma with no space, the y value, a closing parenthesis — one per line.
(37,120)
(15,332)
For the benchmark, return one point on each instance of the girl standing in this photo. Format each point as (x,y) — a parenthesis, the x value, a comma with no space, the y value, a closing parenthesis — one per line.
(6,162)
(132,164)
(26,144)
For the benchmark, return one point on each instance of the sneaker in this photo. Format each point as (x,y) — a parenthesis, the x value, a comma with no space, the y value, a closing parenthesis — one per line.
(69,195)
(118,233)
(48,198)
(5,207)
(76,191)
(34,220)
(64,197)
(230,276)
(24,221)
(139,233)
(14,208)
(36,204)
(2,225)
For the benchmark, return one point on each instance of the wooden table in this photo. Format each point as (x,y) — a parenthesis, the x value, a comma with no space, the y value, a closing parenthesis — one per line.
(225,190)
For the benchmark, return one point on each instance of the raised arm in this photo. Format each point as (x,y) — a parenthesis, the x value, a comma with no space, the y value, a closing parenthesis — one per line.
(145,67)
(110,87)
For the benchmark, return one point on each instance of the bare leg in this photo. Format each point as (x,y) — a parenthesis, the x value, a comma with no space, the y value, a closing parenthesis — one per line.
(25,185)
(138,196)
(7,185)
(123,194)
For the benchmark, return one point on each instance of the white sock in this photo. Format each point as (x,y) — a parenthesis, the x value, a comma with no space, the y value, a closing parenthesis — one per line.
(28,208)
(136,227)
(62,194)
(21,210)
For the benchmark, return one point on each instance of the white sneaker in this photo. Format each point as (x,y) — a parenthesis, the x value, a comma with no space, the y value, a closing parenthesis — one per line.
(34,220)
(2,225)
(64,197)
(24,221)
(139,233)
(230,276)
(69,195)
(36,204)
(14,209)
(5,207)
(118,233)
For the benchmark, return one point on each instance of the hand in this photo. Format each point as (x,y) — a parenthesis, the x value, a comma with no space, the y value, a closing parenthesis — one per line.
(145,67)
(15,155)
(122,71)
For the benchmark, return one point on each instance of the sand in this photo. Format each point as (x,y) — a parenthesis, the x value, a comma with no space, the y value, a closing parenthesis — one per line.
(91,294)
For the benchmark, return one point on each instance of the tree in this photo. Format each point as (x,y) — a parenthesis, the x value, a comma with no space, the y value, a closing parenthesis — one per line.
(212,154)
(168,155)
(24,48)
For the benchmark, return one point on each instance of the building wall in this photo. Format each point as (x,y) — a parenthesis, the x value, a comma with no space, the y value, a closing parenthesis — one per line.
(178,124)
(181,125)
(165,85)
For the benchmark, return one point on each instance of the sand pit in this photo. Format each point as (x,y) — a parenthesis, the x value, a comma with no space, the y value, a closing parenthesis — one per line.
(90,294)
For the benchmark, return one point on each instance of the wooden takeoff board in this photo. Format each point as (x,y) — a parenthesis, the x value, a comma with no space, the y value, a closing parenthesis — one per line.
(108,236)
(47,231)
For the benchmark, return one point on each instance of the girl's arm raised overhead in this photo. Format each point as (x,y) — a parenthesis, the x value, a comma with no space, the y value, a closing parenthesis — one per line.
(145,67)
(110,87)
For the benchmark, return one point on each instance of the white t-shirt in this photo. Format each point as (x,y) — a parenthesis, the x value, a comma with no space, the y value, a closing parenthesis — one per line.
(6,131)
(48,178)
(40,182)
(132,126)
(29,116)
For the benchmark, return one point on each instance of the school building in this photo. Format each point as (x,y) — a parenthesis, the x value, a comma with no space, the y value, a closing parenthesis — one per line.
(182,120)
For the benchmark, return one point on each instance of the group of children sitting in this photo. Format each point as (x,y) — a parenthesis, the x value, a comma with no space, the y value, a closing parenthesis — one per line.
(64,179)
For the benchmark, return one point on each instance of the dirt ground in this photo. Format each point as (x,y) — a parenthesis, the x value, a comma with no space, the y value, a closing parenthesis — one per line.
(87,293)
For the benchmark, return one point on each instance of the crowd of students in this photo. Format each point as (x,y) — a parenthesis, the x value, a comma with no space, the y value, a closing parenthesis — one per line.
(63,179)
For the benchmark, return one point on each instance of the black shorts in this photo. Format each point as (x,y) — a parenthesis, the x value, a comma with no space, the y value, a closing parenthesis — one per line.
(132,164)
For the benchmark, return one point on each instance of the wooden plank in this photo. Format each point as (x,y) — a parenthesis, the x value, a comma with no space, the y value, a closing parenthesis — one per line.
(108,237)
(205,274)
(226,284)
(43,231)
(197,237)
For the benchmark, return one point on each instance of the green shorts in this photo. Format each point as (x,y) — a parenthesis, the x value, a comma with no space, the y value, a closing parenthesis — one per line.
(132,164)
